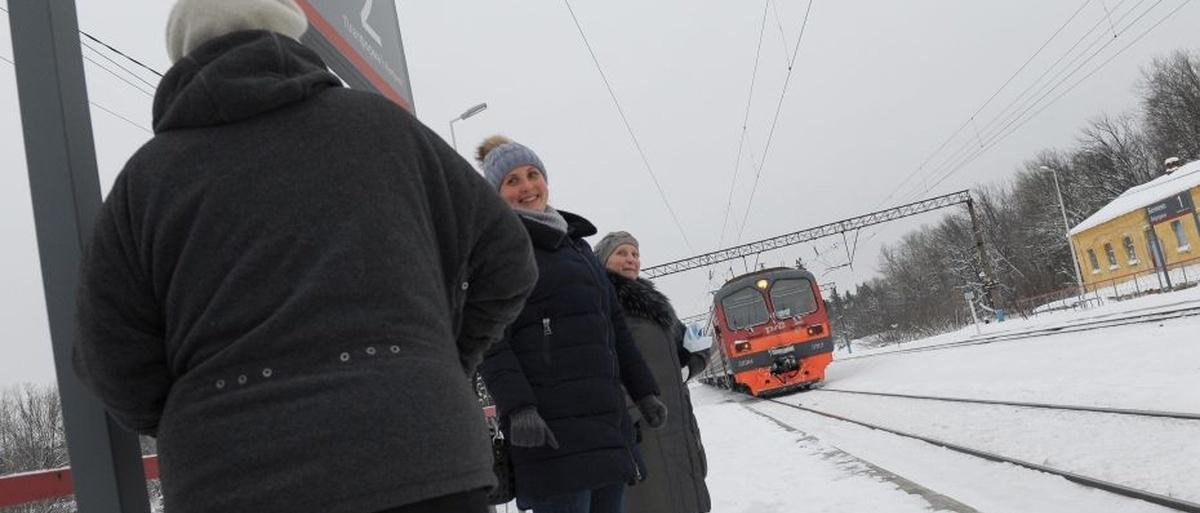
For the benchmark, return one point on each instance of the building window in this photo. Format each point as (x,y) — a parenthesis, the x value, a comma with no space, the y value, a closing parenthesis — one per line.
(1092,259)
(1112,256)
(1180,236)
(1130,251)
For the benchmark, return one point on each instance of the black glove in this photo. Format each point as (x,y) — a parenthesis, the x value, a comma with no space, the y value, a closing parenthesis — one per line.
(527,429)
(654,412)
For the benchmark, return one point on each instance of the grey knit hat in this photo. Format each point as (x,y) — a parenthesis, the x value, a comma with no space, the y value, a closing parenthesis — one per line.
(609,244)
(506,157)
(195,22)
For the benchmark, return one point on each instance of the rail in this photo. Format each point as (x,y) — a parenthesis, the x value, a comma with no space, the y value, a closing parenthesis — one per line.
(1090,482)
(1023,404)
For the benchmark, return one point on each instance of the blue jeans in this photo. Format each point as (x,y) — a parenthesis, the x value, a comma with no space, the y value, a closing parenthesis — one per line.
(605,499)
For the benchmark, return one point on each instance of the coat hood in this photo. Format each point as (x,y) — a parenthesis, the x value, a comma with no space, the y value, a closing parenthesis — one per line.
(238,76)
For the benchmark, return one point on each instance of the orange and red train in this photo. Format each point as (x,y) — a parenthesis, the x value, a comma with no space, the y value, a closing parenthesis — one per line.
(771,333)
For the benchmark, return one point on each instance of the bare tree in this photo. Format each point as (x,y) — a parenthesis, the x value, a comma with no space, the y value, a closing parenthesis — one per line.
(1171,106)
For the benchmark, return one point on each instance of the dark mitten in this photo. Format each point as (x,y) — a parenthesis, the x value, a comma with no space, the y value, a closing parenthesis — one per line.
(527,429)
(654,412)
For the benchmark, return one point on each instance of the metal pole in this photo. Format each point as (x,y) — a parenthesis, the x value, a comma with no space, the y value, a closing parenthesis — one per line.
(65,187)
(453,139)
(985,263)
(1067,232)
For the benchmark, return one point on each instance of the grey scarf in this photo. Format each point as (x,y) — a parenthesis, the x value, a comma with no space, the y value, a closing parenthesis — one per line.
(548,217)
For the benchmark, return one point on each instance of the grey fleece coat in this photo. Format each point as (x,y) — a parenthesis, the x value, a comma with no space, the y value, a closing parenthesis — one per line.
(289,286)
(673,454)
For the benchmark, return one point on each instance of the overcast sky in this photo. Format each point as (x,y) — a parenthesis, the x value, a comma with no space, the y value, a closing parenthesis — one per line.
(876,87)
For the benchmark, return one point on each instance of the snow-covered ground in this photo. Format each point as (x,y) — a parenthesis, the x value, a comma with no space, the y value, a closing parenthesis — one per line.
(766,457)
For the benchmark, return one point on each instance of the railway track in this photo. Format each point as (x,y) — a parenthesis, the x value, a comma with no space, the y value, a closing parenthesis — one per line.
(1075,327)
(1020,404)
(1090,482)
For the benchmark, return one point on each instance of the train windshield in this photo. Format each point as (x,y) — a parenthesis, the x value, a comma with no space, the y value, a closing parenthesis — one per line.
(744,308)
(793,297)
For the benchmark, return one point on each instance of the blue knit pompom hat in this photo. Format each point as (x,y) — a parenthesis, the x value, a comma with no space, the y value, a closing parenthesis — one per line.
(506,157)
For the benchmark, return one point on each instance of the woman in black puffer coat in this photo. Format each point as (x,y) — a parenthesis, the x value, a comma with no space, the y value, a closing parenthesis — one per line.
(560,373)
(673,455)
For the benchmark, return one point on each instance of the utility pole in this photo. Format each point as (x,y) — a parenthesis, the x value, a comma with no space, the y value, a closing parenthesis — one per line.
(1067,232)
(106,463)
(985,262)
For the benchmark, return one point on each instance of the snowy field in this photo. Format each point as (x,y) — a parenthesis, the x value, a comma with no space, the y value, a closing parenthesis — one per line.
(766,457)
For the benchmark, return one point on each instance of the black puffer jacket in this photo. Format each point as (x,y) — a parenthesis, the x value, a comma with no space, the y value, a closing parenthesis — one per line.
(673,454)
(568,354)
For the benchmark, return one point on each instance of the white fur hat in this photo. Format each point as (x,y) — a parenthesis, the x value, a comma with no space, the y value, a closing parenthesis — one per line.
(194,22)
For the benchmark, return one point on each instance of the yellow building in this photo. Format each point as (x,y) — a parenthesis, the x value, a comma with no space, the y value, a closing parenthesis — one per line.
(1149,227)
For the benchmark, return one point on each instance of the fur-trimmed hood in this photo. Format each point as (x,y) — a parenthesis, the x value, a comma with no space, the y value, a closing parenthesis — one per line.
(639,298)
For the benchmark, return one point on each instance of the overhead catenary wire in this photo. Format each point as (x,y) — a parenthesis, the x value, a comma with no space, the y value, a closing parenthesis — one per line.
(775,120)
(971,119)
(111,112)
(119,65)
(737,162)
(629,128)
(1144,33)
(994,138)
(1005,118)
(1040,91)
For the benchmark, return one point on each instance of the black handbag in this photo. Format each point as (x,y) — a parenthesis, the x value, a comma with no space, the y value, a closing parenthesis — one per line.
(506,481)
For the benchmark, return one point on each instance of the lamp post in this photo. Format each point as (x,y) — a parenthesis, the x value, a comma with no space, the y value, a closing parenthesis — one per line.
(468,113)
(1067,227)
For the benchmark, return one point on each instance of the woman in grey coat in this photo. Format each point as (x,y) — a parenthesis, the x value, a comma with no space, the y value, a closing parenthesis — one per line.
(673,454)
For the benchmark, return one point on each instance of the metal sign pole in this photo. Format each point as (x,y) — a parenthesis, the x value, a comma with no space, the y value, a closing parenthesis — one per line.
(105,461)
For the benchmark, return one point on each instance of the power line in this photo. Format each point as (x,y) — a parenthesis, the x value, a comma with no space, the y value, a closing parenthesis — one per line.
(1041,90)
(117,64)
(118,76)
(97,105)
(987,102)
(953,166)
(1073,86)
(775,121)
(737,162)
(114,50)
(122,54)
(628,127)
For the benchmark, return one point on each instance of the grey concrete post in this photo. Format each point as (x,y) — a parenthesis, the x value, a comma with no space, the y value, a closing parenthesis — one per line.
(105,460)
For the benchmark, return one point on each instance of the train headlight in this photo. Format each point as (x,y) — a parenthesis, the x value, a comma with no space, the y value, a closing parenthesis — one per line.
(816,330)
(741,346)
(762,284)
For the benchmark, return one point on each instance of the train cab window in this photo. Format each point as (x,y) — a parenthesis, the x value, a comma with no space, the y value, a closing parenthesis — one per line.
(793,297)
(744,309)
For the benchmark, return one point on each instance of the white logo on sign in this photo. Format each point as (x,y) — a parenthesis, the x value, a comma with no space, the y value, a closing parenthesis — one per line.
(366,12)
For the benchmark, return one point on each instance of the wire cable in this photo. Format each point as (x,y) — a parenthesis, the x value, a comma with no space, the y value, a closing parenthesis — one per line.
(737,162)
(119,65)
(97,105)
(987,102)
(775,121)
(629,128)
(1071,88)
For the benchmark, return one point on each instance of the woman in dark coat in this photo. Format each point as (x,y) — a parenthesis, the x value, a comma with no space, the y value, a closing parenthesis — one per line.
(559,374)
(673,454)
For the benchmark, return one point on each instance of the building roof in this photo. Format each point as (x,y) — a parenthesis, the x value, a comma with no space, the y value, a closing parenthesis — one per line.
(1182,179)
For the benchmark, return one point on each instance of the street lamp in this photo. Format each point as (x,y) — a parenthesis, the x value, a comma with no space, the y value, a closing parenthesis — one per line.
(469,112)
(1067,227)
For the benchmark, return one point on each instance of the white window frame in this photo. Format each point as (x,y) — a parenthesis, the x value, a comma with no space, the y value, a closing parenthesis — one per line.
(1181,240)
